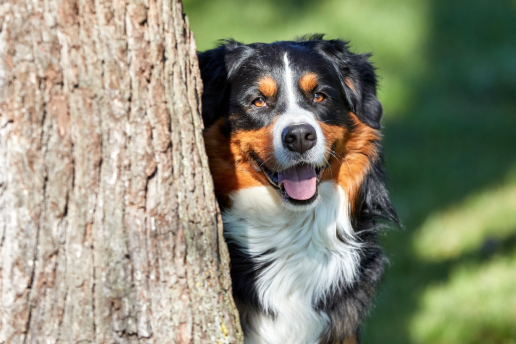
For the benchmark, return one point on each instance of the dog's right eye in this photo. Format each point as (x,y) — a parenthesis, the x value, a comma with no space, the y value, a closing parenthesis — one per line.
(319,97)
(259,102)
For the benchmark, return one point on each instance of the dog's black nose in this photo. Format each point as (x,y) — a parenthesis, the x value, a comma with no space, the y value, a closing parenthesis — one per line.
(299,137)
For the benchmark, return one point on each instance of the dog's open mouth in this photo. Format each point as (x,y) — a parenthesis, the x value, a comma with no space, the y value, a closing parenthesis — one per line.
(297,184)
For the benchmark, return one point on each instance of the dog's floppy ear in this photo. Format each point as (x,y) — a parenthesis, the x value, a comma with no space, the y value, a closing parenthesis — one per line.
(358,80)
(368,108)
(217,66)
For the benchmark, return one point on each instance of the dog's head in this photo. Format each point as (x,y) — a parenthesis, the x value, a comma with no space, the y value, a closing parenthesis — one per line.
(289,115)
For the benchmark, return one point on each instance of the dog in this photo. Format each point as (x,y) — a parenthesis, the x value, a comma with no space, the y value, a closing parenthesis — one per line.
(292,133)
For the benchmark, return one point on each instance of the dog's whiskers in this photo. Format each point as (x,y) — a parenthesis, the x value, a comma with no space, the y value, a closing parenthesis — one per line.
(346,160)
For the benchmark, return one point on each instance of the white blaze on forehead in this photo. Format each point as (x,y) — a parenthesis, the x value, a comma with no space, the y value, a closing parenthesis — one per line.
(294,115)
(288,82)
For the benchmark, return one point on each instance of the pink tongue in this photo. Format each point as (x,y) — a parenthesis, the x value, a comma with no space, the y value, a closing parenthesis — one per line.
(299,182)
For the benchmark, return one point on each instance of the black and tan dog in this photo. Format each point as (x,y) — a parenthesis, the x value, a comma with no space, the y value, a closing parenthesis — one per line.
(292,135)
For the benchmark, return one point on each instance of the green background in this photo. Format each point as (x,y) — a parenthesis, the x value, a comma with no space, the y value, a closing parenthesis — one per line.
(448,85)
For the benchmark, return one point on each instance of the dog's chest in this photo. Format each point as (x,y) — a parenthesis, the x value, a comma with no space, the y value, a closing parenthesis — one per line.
(303,255)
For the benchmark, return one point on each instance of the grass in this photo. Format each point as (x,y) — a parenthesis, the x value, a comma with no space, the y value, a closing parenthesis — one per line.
(448,86)
(477,304)
(483,220)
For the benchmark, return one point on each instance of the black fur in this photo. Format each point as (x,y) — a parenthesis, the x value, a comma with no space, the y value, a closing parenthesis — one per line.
(227,71)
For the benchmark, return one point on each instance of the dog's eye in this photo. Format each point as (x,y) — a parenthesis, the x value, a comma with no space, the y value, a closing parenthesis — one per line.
(259,102)
(318,97)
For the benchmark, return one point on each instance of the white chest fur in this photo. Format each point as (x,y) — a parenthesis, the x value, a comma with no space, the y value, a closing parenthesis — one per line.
(308,259)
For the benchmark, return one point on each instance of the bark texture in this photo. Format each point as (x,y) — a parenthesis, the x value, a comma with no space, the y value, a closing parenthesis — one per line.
(109,229)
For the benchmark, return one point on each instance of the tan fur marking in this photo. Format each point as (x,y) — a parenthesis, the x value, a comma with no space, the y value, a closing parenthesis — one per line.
(308,82)
(354,152)
(230,164)
(350,84)
(350,340)
(267,86)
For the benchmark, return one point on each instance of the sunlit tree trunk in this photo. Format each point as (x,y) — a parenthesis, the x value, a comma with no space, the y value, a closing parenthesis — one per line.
(109,229)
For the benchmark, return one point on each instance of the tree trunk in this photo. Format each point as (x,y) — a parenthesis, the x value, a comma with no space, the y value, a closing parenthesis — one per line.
(109,228)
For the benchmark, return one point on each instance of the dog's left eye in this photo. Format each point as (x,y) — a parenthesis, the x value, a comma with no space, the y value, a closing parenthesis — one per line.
(319,97)
(259,102)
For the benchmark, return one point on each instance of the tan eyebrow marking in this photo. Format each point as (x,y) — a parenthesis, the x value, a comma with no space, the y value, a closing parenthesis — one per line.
(308,82)
(350,84)
(267,86)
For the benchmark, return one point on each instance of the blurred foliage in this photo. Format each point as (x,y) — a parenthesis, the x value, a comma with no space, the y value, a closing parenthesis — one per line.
(477,304)
(448,86)
(483,220)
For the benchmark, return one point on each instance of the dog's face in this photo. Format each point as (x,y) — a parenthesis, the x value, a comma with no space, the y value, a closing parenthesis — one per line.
(289,115)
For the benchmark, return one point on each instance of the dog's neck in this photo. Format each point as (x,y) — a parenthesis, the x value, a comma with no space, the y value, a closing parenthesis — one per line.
(307,254)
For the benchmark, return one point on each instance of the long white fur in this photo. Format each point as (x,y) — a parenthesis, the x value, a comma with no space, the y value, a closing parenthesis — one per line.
(306,258)
(294,115)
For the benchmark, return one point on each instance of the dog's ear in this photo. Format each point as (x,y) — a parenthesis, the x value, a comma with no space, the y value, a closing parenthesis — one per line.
(368,108)
(217,66)
(358,80)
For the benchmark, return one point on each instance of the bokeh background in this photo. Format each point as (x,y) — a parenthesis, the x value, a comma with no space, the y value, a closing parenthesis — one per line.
(448,86)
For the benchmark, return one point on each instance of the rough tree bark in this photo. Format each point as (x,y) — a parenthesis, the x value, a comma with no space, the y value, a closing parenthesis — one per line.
(109,229)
